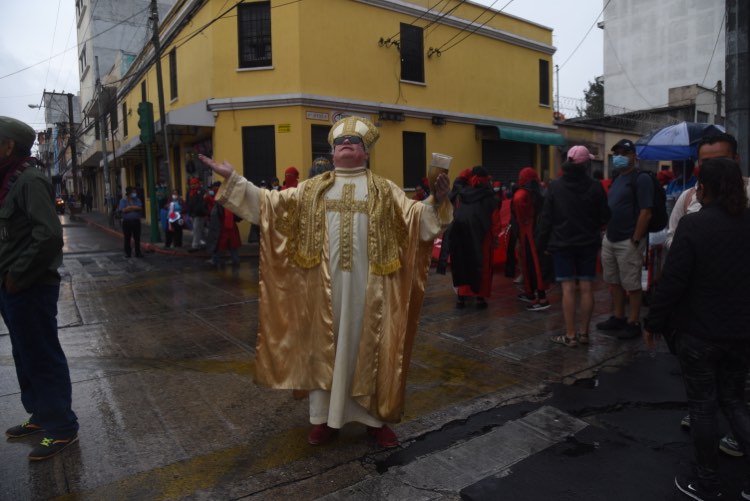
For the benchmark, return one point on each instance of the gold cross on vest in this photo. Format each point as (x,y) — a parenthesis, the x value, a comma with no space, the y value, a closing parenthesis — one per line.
(347,206)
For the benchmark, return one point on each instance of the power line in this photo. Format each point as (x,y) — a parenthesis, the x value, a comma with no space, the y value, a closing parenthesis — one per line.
(54,33)
(440,49)
(586,35)
(442,16)
(624,72)
(718,35)
(73,47)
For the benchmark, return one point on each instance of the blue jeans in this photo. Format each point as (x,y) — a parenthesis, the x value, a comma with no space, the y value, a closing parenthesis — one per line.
(714,374)
(41,366)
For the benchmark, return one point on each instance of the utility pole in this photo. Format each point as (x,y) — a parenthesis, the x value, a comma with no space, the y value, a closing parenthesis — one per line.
(72,143)
(737,64)
(160,89)
(719,97)
(102,130)
(557,89)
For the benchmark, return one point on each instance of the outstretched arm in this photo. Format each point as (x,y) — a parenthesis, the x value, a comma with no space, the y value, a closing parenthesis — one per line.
(223,169)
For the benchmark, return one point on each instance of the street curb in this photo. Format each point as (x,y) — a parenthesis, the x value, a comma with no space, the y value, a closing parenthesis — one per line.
(155,248)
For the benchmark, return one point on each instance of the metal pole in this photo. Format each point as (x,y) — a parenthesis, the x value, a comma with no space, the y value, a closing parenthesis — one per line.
(737,64)
(155,236)
(557,88)
(72,143)
(102,130)
(160,89)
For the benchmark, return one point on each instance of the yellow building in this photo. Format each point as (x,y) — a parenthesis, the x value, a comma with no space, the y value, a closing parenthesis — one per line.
(260,84)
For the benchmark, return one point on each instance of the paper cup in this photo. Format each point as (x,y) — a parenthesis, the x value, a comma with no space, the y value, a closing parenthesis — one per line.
(439,165)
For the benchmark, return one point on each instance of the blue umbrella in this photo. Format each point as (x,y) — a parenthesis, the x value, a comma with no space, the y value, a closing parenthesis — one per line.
(675,142)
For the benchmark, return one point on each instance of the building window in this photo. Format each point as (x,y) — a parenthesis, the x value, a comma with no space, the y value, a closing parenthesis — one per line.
(701,117)
(143,91)
(254,25)
(82,60)
(544,97)
(319,139)
(412,53)
(259,153)
(173,74)
(125,119)
(113,119)
(414,155)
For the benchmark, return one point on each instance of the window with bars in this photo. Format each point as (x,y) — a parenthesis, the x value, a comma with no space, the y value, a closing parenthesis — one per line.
(254,34)
(414,156)
(412,53)
(125,119)
(173,74)
(544,97)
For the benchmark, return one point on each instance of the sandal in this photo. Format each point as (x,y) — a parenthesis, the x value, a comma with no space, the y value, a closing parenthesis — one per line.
(570,342)
(582,338)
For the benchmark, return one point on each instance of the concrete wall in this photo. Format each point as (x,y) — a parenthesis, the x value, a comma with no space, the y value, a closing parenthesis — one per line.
(653,45)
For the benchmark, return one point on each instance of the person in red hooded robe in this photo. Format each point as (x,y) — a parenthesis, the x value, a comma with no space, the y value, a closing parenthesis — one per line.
(291,178)
(526,206)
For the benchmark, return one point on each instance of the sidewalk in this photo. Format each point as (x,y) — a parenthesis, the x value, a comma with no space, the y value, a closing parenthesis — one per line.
(101,221)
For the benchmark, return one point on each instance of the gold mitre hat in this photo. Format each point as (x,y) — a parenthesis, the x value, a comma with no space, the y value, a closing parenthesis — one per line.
(355,126)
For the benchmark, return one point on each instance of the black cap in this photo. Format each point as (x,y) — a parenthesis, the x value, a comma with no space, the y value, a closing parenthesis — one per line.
(18,131)
(624,144)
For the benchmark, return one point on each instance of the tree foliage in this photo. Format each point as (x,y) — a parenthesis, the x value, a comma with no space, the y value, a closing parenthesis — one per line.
(594,97)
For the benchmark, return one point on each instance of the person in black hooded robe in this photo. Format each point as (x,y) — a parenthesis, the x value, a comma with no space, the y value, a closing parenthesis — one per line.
(473,233)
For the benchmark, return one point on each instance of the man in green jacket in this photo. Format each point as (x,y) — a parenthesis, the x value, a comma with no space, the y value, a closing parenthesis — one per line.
(31,244)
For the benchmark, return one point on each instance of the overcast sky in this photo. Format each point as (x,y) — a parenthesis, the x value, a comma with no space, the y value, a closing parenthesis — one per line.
(38,48)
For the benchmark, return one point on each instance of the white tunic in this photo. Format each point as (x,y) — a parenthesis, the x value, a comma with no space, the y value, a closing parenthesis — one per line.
(349,275)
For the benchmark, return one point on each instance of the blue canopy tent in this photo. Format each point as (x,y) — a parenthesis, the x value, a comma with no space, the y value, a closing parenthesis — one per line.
(675,142)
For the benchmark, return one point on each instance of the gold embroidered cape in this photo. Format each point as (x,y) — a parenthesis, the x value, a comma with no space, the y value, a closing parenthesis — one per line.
(296,345)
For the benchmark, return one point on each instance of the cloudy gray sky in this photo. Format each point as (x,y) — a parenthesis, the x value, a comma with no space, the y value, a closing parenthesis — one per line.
(38,48)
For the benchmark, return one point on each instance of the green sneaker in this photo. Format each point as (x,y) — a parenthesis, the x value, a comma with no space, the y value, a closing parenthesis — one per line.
(48,447)
(23,430)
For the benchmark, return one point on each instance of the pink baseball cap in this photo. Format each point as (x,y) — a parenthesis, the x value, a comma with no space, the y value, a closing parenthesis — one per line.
(579,155)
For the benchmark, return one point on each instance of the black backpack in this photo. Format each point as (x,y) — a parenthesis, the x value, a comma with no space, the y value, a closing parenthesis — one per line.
(659,217)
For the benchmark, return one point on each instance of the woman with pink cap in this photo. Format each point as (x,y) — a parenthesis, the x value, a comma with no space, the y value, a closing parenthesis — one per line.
(575,209)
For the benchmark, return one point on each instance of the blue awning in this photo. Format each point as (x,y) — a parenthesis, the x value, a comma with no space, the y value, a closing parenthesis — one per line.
(530,136)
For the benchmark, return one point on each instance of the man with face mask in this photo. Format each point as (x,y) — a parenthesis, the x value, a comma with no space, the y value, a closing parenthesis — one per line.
(31,242)
(625,240)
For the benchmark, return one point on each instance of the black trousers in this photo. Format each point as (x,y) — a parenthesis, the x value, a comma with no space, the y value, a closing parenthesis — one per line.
(714,375)
(131,228)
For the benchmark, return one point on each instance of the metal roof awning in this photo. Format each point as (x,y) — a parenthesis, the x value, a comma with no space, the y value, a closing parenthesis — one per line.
(530,136)
(523,135)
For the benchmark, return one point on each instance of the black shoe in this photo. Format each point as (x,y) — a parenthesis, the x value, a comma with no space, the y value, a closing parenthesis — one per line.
(526,298)
(729,446)
(691,487)
(481,304)
(139,255)
(49,447)
(23,430)
(127,256)
(461,303)
(632,331)
(612,324)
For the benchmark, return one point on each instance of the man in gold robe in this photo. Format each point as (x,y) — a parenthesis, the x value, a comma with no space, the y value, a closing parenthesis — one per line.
(351,251)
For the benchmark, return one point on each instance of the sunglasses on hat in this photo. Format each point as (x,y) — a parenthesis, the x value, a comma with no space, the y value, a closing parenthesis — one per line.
(352,139)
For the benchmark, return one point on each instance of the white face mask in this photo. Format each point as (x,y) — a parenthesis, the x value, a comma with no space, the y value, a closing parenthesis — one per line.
(211,192)
(174,197)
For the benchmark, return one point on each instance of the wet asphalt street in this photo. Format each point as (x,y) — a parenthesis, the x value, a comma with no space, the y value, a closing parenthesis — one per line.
(161,357)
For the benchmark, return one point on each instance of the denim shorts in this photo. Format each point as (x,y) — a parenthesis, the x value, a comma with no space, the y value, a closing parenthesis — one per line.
(576,263)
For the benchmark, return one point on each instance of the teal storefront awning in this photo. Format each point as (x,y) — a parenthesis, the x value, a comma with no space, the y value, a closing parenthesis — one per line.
(530,136)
